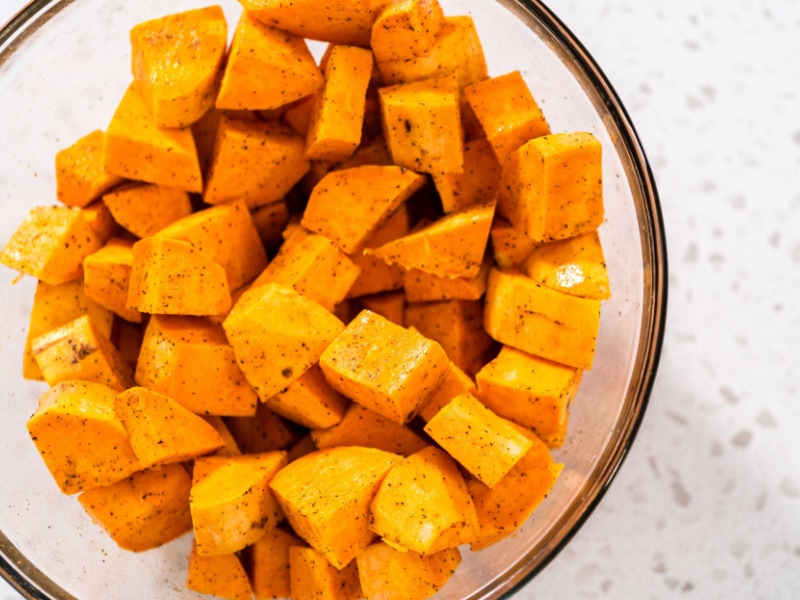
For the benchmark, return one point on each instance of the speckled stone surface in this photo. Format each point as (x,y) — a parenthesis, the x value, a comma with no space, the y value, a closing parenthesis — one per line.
(707,504)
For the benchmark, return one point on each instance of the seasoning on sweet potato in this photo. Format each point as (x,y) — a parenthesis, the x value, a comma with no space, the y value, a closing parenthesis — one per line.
(522,313)
(326,495)
(552,186)
(454,383)
(267,68)
(381,568)
(144,511)
(80,175)
(314,578)
(263,432)
(220,575)
(422,125)
(231,502)
(338,117)
(406,29)
(171,277)
(253,160)
(361,426)
(510,246)
(349,205)
(477,183)
(574,266)
(145,208)
(310,401)
(420,286)
(52,241)
(453,246)
(384,366)
(77,350)
(106,275)
(487,445)
(391,305)
(267,561)
(137,148)
(81,440)
(190,360)
(531,391)
(423,504)
(161,430)
(179,59)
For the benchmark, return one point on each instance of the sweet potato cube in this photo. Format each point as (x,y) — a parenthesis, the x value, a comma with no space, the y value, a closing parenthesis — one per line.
(338,116)
(267,68)
(575,266)
(477,183)
(539,320)
(531,391)
(106,275)
(263,432)
(381,567)
(220,575)
(76,350)
(406,29)
(298,114)
(267,561)
(364,427)
(179,59)
(190,360)
(312,265)
(231,448)
(510,246)
(507,112)
(52,241)
(349,205)
(231,502)
(83,443)
(137,148)
(454,383)
(326,495)
(255,161)
(391,305)
(314,578)
(422,125)
(310,401)
(453,246)
(486,445)
(80,175)
(552,186)
(420,286)
(270,221)
(502,510)
(145,510)
(277,335)
(423,504)
(145,208)
(384,366)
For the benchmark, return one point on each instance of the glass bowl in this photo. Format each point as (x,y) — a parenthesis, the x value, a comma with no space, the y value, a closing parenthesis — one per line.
(64,67)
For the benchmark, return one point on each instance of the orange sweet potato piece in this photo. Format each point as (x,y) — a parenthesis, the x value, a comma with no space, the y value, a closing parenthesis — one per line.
(220,575)
(231,502)
(364,427)
(52,241)
(231,448)
(298,114)
(106,275)
(510,246)
(204,132)
(314,578)
(269,221)
(144,511)
(263,432)
(161,430)
(423,504)
(406,29)
(539,320)
(190,360)
(136,148)
(381,568)
(80,438)
(253,160)
(80,176)
(391,305)
(477,183)
(420,286)
(486,445)
(179,59)
(267,561)
(552,186)
(338,116)
(76,350)
(454,383)
(384,366)
(310,401)
(326,495)
(267,68)
(277,335)
(145,208)
(349,205)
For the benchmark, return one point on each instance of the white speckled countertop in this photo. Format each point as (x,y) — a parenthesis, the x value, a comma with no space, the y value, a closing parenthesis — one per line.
(707,504)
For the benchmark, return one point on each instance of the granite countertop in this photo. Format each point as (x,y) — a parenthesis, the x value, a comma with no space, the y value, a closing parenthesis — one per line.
(707,504)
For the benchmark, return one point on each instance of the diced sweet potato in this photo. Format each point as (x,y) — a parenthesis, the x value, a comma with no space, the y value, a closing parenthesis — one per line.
(454,383)
(405,30)
(477,183)
(145,208)
(80,175)
(145,510)
(267,560)
(314,578)
(231,502)
(552,186)
(423,504)
(310,401)
(391,305)
(190,360)
(106,276)
(80,438)
(384,366)
(231,448)
(420,286)
(220,575)
(486,445)
(326,495)
(263,432)
(510,246)
(298,114)
(270,221)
